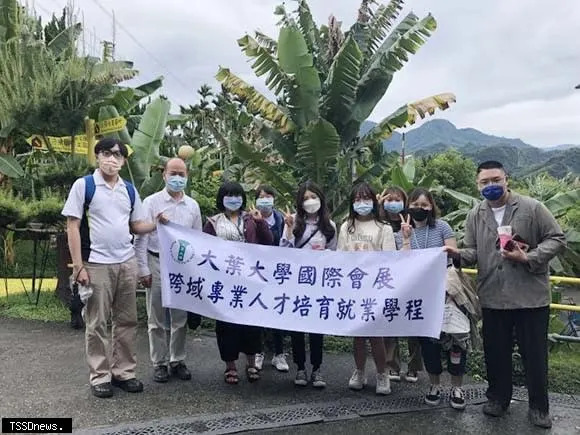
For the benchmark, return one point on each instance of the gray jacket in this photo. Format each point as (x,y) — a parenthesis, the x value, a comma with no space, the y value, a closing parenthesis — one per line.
(504,284)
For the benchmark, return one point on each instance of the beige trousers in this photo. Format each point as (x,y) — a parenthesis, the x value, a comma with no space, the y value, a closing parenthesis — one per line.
(158,324)
(394,358)
(114,296)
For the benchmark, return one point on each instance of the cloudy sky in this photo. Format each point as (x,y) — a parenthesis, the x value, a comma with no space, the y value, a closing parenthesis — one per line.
(512,64)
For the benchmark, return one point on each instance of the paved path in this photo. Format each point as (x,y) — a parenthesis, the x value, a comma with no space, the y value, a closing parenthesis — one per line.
(43,374)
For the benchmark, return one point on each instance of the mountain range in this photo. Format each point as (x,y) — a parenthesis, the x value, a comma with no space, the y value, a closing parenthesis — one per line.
(519,158)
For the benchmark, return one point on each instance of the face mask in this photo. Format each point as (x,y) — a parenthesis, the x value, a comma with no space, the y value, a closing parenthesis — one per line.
(176,183)
(109,165)
(233,203)
(419,214)
(493,192)
(363,208)
(311,206)
(265,204)
(394,206)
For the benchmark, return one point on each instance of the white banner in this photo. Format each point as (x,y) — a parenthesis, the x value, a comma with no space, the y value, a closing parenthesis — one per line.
(361,294)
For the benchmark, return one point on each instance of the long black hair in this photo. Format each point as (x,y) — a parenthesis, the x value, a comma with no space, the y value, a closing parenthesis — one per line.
(363,190)
(434,214)
(230,188)
(324,225)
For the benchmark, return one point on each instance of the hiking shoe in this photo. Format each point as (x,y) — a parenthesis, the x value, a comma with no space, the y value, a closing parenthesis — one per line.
(130,385)
(160,374)
(279,363)
(540,419)
(383,384)
(457,399)
(394,376)
(357,380)
(411,377)
(317,379)
(433,396)
(493,409)
(259,361)
(103,390)
(180,371)
(301,378)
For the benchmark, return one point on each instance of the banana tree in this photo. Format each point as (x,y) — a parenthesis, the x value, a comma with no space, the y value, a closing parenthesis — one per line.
(327,83)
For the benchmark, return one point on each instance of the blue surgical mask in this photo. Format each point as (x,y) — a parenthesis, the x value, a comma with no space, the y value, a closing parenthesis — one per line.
(265,204)
(233,203)
(363,208)
(493,192)
(394,206)
(176,183)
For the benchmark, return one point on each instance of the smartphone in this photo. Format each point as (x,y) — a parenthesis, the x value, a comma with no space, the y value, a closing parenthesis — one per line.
(510,246)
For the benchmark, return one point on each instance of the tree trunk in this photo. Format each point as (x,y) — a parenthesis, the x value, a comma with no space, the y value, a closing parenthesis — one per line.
(63,272)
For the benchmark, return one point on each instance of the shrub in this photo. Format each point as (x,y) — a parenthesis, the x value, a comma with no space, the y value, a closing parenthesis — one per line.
(46,211)
(10,209)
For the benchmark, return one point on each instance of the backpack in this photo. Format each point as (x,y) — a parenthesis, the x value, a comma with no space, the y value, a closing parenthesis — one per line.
(90,188)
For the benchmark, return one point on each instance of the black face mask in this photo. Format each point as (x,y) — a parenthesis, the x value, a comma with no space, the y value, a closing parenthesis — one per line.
(419,214)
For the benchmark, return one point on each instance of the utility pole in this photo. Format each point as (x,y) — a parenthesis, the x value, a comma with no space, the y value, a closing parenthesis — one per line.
(403,149)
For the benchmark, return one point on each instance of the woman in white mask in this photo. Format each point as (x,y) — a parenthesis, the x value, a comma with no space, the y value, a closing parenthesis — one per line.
(309,228)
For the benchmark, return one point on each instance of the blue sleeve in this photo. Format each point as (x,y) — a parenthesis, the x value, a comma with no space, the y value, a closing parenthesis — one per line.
(446,230)
(398,240)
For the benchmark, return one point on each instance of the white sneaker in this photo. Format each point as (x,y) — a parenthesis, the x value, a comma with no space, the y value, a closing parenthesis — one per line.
(457,398)
(279,362)
(357,380)
(394,376)
(317,379)
(301,378)
(411,377)
(259,361)
(383,384)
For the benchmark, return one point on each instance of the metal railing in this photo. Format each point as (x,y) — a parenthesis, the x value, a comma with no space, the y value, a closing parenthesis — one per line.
(554,280)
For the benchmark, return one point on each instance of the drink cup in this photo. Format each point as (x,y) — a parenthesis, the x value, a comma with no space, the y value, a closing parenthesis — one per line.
(505,235)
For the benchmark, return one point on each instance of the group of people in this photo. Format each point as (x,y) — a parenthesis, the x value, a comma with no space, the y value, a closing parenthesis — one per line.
(513,285)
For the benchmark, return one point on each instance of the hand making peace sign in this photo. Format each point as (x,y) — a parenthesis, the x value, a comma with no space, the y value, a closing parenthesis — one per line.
(255,213)
(288,222)
(406,227)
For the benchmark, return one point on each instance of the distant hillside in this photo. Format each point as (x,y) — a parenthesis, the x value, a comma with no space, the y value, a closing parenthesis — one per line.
(520,158)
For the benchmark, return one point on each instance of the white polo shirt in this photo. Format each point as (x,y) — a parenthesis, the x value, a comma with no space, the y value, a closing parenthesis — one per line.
(108,218)
(184,211)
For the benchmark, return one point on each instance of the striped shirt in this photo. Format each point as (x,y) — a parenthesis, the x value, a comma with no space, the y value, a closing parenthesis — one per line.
(428,237)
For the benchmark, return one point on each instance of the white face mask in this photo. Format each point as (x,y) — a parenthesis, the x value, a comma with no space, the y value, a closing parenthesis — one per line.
(311,206)
(109,165)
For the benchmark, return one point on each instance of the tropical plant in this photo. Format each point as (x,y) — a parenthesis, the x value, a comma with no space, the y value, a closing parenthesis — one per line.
(327,83)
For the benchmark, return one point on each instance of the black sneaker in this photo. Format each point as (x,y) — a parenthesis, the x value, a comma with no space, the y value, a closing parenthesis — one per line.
(433,396)
(180,371)
(457,399)
(129,385)
(493,409)
(540,419)
(103,390)
(160,374)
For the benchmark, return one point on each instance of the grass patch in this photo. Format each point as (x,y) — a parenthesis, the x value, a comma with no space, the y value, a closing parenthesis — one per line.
(18,305)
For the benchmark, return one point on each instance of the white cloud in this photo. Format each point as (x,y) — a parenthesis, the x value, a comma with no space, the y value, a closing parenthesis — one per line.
(512,64)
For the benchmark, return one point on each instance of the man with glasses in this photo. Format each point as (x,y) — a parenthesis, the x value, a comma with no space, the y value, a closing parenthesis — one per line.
(512,238)
(102,211)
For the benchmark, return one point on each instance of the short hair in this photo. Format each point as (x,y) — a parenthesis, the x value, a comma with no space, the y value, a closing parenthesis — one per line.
(490,164)
(266,189)
(230,188)
(109,143)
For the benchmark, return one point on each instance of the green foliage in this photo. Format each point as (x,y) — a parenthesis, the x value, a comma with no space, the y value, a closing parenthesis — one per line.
(46,211)
(49,309)
(205,192)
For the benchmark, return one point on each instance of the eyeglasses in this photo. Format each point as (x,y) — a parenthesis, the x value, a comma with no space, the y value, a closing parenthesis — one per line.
(108,153)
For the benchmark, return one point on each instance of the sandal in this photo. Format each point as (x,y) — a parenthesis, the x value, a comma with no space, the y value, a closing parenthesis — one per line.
(253,374)
(231,377)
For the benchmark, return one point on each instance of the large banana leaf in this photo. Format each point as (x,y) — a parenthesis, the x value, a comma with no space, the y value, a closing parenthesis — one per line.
(296,61)
(146,140)
(341,83)
(10,167)
(65,39)
(409,168)
(318,148)
(265,63)
(405,39)
(285,146)
(266,42)
(311,33)
(9,12)
(398,178)
(256,103)
(562,202)
(148,88)
(461,197)
(380,24)
(405,116)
